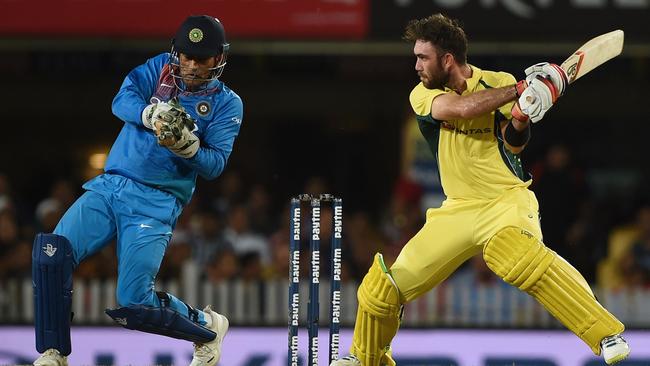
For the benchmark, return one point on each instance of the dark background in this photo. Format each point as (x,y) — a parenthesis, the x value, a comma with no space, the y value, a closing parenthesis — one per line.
(336,116)
(323,99)
(326,98)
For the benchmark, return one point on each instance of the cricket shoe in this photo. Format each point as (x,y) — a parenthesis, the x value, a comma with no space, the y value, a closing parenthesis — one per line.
(614,349)
(51,357)
(350,360)
(208,354)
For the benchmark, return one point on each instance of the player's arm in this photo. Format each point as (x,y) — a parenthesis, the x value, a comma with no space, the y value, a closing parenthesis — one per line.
(543,85)
(218,139)
(137,88)
(516,134)
(531,106)
(453,106)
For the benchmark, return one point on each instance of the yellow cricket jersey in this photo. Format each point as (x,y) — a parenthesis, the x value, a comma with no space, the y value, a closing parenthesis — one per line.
(472,158)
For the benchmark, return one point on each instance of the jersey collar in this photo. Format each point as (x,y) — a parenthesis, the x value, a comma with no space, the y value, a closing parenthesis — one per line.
(472,82)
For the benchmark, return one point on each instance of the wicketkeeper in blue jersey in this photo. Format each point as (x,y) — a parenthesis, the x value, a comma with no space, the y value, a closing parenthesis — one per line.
(180,121)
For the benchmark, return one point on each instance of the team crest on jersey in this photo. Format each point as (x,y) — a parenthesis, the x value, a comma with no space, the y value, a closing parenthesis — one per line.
(196,35)
(203,108)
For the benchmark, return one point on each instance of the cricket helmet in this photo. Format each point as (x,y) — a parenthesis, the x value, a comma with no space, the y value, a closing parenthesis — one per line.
(200,36)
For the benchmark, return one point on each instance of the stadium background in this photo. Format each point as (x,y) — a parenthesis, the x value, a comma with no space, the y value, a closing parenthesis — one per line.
(325,88)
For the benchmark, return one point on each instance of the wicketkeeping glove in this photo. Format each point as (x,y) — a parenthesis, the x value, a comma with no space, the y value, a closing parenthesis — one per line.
(173,127)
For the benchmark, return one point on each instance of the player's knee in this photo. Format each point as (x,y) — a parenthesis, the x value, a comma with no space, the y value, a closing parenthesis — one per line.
(517,256)
(131,295)
(378,294)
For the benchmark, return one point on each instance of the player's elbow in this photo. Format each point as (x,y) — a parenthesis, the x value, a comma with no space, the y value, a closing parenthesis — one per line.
(215,169)
(464,112)
(117,108)
(114,108)
(452,112)
(212,174)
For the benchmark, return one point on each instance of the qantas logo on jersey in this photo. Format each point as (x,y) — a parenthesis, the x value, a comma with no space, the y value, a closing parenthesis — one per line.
(469,131)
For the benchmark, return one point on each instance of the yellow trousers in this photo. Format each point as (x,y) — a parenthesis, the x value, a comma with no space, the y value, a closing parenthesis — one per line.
(507,231)
(456,232)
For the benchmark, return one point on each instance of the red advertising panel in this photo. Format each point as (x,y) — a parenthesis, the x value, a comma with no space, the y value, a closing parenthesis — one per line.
(338,19)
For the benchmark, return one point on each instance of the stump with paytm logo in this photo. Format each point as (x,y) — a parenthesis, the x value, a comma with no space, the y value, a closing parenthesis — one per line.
(314,203)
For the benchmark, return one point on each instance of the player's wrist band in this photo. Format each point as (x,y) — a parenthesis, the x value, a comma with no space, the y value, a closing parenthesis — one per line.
(516,138)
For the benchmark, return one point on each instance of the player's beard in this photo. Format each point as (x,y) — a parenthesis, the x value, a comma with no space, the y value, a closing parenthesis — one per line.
(437,79)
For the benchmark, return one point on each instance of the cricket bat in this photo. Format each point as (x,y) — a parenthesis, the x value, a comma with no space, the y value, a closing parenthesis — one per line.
(592,54)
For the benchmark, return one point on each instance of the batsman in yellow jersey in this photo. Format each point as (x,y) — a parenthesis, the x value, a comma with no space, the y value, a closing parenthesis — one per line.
(476,123)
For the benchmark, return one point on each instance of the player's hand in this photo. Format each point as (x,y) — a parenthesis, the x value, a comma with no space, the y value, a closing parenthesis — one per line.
(177,137)
(165,112)
(535,100)
(186,145)
(552,72)
(147,115)
(164,133)
(520,87)
(174,128)
(159,111)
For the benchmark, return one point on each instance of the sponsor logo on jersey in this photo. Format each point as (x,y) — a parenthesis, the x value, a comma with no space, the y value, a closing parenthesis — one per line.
(469,131)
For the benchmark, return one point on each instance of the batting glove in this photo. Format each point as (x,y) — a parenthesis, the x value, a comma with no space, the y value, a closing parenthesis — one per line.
(551,72)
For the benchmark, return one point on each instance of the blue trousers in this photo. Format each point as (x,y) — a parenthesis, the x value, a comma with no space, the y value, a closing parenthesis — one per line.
(141,217)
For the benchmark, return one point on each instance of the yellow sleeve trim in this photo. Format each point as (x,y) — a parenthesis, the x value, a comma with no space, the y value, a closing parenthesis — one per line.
(421,99)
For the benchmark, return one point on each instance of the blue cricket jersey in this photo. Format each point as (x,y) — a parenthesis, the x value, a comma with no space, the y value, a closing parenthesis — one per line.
(135,154)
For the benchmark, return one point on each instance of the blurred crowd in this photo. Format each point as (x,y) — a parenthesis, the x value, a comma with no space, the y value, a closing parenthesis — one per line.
(235,229)
(237,232)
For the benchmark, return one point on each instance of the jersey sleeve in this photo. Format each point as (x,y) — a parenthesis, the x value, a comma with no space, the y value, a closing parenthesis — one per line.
(421,99)
(505,80)
(218,140)
(137,88)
